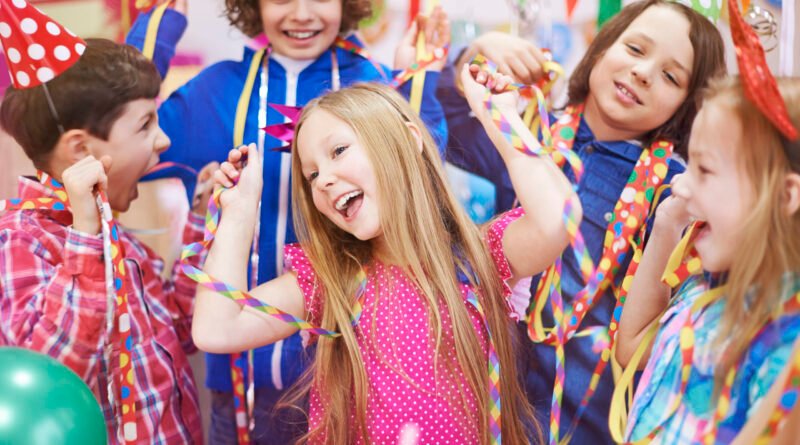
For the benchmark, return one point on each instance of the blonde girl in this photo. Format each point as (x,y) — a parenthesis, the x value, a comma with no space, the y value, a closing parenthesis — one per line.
(379,229)
(743,184)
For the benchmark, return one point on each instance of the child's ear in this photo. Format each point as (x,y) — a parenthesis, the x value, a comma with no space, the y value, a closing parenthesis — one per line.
(72,146)
(415,131)
(792,193)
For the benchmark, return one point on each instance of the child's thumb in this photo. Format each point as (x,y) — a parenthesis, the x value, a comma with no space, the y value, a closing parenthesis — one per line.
(106,161)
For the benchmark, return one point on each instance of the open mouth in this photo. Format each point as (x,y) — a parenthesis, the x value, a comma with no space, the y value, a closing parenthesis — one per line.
(349,203)
(301,35)
(627,93)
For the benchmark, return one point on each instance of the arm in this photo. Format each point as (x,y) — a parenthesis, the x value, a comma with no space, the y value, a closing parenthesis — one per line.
(648,296)
(513,56)
(170,31)
(437,32)
(468,146)
(532,242)
(221,325)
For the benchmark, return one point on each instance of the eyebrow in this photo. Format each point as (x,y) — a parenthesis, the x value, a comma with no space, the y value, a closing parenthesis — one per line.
(148,115)
(649,40)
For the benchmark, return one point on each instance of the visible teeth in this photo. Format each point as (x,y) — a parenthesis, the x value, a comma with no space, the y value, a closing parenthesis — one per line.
(300,35)
(627,93)
(342,202)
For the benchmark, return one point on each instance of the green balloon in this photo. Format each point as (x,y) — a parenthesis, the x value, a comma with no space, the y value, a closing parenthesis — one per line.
(42,402)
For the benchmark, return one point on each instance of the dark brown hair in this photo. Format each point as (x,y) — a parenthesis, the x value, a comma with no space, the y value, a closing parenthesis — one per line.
(90,95)
(709,62)
(245,15)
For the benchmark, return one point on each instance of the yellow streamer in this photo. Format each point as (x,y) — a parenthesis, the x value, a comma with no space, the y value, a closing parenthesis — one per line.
(418,82)
(244,99)
(618,414)
(152,30)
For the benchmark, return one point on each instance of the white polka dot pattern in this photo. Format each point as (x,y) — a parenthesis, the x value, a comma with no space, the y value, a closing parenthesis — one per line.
(37,47)
(408,384)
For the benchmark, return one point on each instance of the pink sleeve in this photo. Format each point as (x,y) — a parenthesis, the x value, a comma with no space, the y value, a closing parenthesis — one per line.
(295,260)
(494,241)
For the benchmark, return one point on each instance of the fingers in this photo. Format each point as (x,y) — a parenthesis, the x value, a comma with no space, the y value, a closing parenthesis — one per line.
(497,82)
(442,28)
(501,83)
(410,37)
(229,171)
(226,175)
(526,68)
(88,173)
(244,158)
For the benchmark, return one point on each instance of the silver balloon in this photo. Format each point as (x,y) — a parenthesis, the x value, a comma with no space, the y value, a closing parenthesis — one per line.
(764,24)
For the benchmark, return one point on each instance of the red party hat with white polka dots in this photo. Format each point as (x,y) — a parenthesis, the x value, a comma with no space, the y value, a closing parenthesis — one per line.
(37,47)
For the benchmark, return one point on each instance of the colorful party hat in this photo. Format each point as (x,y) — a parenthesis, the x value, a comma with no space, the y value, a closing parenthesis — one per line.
(37,47)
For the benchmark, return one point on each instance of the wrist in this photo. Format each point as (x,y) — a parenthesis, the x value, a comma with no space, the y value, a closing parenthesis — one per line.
(86,226)
(239,213)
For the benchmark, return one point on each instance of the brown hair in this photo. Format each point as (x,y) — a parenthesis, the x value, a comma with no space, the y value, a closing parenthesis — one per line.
(709,61)
(245,15)
(412,193)
(90,95)
(755,279)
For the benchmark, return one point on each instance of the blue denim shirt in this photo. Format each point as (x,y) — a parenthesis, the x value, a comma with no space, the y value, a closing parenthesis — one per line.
(607,166)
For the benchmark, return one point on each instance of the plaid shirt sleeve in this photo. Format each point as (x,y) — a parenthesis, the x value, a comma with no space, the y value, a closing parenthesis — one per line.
(51,301)
(180,290)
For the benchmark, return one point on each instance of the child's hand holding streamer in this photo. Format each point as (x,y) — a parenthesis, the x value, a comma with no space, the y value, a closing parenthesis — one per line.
(241,176)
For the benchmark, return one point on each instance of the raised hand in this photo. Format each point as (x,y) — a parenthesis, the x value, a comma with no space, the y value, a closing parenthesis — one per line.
(475,81)
(437,37)
(241,174)
(81,180)
(513,56)
(672,213)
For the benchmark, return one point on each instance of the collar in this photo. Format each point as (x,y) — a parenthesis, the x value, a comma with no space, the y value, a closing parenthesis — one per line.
(30,188)
(629,149)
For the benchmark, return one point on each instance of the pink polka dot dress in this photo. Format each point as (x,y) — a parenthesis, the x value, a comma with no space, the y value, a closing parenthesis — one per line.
(408,388)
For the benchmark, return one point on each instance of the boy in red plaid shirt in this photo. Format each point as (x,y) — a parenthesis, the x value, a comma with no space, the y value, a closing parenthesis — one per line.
(100,132)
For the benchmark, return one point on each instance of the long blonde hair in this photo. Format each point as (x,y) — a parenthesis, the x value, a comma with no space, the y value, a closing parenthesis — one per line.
(770,244)
(428,232)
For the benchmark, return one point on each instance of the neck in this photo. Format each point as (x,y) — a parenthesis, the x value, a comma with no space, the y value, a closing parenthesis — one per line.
(602,128)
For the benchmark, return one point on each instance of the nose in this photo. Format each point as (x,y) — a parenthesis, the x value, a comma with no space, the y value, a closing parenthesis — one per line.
(162,142)
(681,187)
(325,179)
(642,72)
(301,10)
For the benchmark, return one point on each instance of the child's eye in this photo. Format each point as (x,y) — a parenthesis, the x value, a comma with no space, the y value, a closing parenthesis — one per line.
(672,79)
(146,124)
(634,48)
(339,150)
(312,176)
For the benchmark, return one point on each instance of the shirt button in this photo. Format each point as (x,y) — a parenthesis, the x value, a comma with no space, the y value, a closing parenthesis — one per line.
(589,149)
(608,216)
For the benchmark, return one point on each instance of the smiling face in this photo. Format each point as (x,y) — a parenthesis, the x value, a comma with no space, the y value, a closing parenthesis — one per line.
(301,29)
(134,143)
(340,175)
(715,185)
(643,77)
